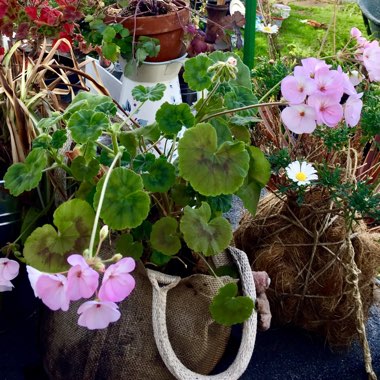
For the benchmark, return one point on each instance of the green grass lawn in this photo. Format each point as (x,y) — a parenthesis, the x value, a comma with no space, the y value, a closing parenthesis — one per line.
(304,40)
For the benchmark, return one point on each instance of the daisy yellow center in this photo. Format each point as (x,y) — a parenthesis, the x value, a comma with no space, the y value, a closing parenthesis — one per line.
(301,176)
(267,29)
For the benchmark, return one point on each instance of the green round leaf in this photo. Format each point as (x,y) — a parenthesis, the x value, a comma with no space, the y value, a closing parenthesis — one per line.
(259,167)
(129,248)
(228,309)
(161,176)
(130,209)
(159,259)
(172,117)
(240,96)
(143,94)
(47,249)
(86,125)
(83,170)
(164,236)
(25,176)
(211,169)
(143,162)
(201,234)
(196,75)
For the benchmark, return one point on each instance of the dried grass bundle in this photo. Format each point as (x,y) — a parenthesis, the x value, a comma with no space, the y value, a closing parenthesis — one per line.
(308,252)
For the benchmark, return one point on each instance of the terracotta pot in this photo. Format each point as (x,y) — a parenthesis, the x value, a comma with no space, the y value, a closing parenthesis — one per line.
(169,29)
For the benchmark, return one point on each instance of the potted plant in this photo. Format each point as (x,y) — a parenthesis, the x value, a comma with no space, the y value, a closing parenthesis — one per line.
(311,232)
(162,208)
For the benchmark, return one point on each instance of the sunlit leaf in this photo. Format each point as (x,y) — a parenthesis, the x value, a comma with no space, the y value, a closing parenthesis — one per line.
(211,169)
(154,93)
(196,75)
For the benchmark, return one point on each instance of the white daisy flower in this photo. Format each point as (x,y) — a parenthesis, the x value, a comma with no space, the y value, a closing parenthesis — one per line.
(270,29)
(301,172)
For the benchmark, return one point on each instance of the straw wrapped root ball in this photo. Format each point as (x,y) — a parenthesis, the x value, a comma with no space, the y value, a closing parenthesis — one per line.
(305,251)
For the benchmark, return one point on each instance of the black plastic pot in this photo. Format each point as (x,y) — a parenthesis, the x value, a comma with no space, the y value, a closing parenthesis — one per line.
(73,78)
(371,16)
(10,216)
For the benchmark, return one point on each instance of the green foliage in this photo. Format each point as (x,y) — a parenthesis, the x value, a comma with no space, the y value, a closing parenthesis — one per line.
(160,176)
(164,236)
(171,118)
(47,249)
(25,176)
(153,94)
(196,74)
(227,308)
(128,210)
(211,169)
(335,139)
(203,234)
(128,247)
(279,159)
(370,120)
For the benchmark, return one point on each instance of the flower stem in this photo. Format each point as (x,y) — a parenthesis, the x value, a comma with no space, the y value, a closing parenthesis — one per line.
(100,204)
(225,112)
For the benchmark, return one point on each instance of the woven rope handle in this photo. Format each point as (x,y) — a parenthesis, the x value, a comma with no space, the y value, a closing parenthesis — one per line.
(160,329)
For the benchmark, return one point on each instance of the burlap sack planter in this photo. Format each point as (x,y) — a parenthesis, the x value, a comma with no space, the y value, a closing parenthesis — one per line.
(321,273)
(189,343)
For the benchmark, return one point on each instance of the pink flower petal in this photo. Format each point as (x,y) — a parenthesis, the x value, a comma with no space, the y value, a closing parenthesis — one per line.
(328,111)
(299,118)
(352,110)
(8,269)
(97,314)
(117,288)
(52,289)
(82,282)
(33,275)
(77,260)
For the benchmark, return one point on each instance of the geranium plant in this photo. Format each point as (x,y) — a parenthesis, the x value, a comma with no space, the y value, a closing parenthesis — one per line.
(159,191)
(34,20)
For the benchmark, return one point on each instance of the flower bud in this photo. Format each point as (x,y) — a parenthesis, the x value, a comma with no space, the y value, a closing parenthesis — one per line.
(117,257)
(103,232)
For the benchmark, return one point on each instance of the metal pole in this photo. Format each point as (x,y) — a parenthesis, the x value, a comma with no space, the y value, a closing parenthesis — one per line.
(249,32)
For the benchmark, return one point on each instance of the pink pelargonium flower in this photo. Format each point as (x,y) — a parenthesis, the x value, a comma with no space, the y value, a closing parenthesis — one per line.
(327,109)
(52,289)
(348,87)
(8,269)
(117,283)
(33,275)
(329,83)
(97,314)
(355,32)
(295,88)
(310,66)
(82,280)
(299,118)
(371,61)
(352,109)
